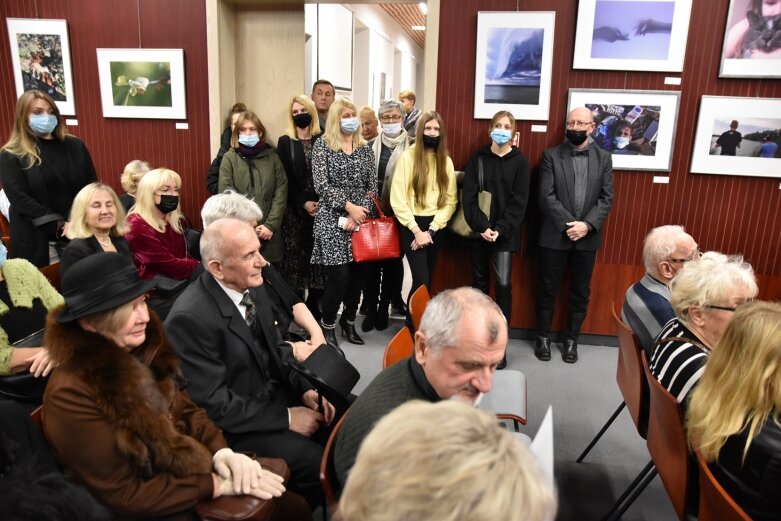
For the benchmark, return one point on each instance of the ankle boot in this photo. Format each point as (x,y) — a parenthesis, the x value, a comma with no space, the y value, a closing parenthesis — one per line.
(503,363)
(330,335)
(368,321)
(348,331)
(381,322)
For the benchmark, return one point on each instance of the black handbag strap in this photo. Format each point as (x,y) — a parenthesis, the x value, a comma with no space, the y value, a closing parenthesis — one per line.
(480,173)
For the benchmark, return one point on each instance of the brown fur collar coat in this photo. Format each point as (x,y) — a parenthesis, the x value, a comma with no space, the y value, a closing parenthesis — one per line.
(135,391)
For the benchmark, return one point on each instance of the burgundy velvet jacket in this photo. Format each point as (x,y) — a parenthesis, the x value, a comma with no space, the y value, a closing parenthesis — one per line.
(156,253)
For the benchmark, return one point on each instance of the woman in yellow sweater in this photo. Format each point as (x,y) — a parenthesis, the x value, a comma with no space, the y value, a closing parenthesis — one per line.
(423,196)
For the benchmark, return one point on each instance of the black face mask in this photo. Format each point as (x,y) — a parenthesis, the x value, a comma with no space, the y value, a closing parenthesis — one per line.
(302,120)
(168,203)
(576,137)
(431,141)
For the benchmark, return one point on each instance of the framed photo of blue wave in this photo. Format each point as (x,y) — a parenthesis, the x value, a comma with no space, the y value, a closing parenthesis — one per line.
(738,136)
(752,40)
(631,35)
(637,127)
(513,64)
(41,59)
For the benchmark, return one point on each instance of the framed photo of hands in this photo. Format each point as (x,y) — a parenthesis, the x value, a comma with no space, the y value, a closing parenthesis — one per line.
(632,35)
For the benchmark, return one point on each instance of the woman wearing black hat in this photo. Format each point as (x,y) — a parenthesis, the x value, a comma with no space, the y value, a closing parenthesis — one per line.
(115,414)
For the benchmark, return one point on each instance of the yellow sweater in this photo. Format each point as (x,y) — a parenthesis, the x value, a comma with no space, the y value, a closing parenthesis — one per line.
(402,197)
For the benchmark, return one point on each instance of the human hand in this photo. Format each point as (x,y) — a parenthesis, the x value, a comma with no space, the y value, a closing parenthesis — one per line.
(302,350)
(577,230)
(350,225)
(316,338)
(40,363)
(356,213)
(489,235)
(305,421)
(311,399)
(422,239)
(269,485)
(311,208)
(243,472)
(263,233)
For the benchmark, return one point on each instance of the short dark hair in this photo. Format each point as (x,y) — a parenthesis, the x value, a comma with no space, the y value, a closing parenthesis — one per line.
(324,82)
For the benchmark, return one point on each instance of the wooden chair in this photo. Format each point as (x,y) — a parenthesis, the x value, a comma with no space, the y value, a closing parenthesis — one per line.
(399,347)
(417,304)
(715,503)
(52,272)
(5,230)
(328,479)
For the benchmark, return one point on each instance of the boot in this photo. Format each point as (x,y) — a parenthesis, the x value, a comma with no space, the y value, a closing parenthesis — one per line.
(348,331)
(503,363)
(381,322)
(369,321)
(542,348)
(330,335)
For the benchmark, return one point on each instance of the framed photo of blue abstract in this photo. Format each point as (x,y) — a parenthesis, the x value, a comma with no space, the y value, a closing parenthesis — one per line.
(513,64)
(632,35)
(637,127)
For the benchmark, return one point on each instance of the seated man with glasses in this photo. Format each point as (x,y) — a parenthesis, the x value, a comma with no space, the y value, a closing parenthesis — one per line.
(647,306)
(705,294)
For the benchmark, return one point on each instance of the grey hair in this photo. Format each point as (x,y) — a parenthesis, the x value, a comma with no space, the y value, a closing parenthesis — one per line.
(390,104)
(660,244)
(230,204)
(213,239)
(444,312)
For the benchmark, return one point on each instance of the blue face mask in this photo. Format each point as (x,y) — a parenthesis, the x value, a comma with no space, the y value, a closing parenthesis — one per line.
(621,142)
(43,123)
(249,140)
(3,253)
(391,129)
(500,137)
(350,125)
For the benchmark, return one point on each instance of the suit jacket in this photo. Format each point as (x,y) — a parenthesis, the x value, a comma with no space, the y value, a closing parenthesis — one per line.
(557,192)
(223,362)
(77,249)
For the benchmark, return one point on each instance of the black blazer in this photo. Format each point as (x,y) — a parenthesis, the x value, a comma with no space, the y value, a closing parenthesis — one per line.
(557,189)
(77,249)
(222,360)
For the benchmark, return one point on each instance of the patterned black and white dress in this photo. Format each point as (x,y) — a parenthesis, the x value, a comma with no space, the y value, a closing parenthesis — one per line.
(339,178)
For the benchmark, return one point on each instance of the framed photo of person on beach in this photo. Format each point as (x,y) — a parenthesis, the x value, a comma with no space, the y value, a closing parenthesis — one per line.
(513,64)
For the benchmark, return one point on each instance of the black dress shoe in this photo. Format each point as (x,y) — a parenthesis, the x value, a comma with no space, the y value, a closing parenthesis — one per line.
(348,332)
(330,335)
(542,348)
(399,308)
(381,322)
(369,320)
(503,363)
(570,353)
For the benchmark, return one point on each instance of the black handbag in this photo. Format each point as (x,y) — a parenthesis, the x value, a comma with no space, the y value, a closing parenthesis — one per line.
(24,387)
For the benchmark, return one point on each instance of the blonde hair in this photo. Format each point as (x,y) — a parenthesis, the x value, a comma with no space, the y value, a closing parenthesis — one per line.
(78,228)
(420,163)
(465,468)
(145,199)
(503,114)
(314,125)
(244,117)
(408,94)
(22,142)
(709,280)
(741,387)
(367,111)
(132,174)
(333,126)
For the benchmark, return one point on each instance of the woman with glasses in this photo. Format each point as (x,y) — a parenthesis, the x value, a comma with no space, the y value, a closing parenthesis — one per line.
(734,415)
(705,294)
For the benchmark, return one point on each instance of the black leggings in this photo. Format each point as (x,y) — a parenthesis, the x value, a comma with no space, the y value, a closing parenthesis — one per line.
(502,264)
(422,261)
(343,283)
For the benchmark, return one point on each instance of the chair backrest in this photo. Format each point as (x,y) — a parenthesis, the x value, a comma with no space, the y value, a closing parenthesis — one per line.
(400,347)
(5,230)
(417,305)
(715,503)
(328,479)
(630,376)
(667,442)
(52,272)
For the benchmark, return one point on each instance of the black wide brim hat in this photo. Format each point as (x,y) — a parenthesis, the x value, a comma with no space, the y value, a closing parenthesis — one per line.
(330,374)
(98,283)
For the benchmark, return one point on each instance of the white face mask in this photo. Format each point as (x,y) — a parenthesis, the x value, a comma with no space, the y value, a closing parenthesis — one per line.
(621,142)
(391,129)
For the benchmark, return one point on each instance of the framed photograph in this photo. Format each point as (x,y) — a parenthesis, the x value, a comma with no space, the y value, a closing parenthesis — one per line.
(142,83)
(513,64)
(632,35)
(636,126)
(752,41)
(41,58)
(738,136)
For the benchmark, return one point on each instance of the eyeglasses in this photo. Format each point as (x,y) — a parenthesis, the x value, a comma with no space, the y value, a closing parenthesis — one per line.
(579,124)
(697,254)
(728,308)
(390,119)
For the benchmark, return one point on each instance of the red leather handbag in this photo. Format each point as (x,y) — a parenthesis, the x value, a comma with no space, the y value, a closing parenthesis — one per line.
(377,239)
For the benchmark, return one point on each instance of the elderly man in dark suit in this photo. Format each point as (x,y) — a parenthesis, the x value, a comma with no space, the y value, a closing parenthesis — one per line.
(236,363)
(576,193)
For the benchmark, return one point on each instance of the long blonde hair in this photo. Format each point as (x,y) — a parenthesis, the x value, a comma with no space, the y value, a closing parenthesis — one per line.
(78,228)
(22,142)
(314,125)
(420,163)
(333,127)
(145,199)
(741,386)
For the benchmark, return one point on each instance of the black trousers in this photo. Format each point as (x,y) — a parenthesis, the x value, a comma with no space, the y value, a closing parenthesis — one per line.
(422,261)
(343,283)
(382,282)
(486,259)
(552,265)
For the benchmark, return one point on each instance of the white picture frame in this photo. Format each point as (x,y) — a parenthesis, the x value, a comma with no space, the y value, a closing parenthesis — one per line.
(756,118)
(142,83)
(632,35)
(652,117)
(737,62)
(41,59)
(525,88)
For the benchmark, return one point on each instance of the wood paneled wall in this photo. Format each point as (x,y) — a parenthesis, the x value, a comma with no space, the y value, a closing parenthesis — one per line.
(153,24)
(724,213)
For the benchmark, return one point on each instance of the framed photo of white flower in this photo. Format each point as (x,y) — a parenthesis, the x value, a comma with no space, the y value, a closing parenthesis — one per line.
(142,83)
(41,58)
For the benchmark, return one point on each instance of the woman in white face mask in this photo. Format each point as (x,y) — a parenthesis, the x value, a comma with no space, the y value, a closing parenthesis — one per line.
(505,175)
(42,168)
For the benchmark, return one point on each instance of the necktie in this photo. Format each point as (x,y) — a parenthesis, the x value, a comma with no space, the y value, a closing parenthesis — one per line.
(249,309)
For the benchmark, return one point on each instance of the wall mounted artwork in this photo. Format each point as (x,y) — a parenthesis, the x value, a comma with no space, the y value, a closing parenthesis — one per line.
(752,41)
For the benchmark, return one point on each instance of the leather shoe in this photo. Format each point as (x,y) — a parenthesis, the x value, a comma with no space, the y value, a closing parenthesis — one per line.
(348,332)
(503,363)
(330,336)
(368,321)
(542,348)
(570,353)
(381,322)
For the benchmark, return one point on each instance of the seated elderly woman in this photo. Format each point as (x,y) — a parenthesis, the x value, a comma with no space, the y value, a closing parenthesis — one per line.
(465,468)
(734,415)
(97,224)
(25,298)
(704,295)
(115,413)
(132,174)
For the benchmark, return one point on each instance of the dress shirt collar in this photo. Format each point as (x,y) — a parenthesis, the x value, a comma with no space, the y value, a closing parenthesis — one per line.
(234,295)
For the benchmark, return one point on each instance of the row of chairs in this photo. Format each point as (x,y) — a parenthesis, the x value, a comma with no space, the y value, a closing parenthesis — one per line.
(658,419)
